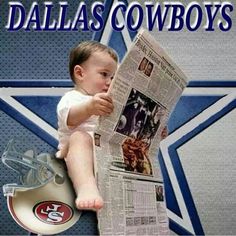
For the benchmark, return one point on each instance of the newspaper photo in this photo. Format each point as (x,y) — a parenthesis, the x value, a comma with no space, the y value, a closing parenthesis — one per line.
(145,90)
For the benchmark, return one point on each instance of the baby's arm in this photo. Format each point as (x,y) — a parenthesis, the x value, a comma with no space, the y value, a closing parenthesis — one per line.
(100,105)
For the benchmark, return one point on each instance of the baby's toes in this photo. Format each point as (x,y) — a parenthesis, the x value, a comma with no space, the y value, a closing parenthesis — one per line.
(98,203)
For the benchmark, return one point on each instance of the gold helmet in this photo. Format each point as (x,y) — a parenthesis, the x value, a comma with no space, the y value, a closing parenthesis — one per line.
(43,202)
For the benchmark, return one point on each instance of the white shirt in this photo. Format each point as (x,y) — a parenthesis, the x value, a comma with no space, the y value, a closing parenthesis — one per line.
(70,99)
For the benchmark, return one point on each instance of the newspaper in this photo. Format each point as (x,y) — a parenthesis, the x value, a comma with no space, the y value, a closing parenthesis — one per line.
(145,89)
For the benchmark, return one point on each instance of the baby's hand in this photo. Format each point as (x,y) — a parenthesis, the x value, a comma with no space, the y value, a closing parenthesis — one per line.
(164,133)
(101,104)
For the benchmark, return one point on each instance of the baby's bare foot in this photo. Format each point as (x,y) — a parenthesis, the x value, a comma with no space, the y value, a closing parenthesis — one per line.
(89,198)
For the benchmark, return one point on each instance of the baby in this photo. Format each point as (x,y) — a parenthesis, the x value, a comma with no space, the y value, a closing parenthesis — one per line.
(92,67)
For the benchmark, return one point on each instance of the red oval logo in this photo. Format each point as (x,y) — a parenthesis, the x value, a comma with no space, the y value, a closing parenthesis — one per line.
(53,212)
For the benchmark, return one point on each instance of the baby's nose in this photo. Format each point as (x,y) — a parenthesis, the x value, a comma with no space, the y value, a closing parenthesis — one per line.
(108,81)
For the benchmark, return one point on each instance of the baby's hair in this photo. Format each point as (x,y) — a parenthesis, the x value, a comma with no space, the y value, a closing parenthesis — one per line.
(84,50)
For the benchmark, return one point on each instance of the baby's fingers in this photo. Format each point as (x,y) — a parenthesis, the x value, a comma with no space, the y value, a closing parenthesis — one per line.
(107,104)
(107,109)
(105,96)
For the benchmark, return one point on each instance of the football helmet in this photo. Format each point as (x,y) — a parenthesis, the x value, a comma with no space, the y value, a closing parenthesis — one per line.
(43,202)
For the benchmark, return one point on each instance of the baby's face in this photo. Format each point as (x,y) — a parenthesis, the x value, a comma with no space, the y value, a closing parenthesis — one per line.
(98,71)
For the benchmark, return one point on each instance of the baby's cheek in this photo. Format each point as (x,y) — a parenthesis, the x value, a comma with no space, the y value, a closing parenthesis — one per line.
(101,84)
(97,87)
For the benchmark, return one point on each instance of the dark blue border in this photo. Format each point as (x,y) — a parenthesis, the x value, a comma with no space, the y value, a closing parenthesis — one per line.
(35,83)
(178,229)
(211,84)
(171,201)
(67,83)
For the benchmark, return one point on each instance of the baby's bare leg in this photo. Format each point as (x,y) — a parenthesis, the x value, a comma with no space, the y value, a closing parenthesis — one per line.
(79,162)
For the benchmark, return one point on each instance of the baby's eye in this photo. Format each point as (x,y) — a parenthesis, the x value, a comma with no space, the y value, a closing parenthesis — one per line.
(104,74)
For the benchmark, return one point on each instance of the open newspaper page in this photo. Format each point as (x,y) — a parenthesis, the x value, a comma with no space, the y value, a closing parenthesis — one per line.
(145,89)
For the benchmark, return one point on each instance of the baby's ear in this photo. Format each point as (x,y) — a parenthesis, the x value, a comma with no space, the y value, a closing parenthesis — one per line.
(78,72)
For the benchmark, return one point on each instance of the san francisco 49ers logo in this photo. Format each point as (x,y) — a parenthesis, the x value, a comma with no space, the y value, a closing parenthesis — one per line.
(53,212)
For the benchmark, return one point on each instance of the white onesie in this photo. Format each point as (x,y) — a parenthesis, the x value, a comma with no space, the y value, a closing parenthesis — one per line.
(70,99)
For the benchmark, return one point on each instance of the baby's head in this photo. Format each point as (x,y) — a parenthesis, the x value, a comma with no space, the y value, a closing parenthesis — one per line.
(92,67)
